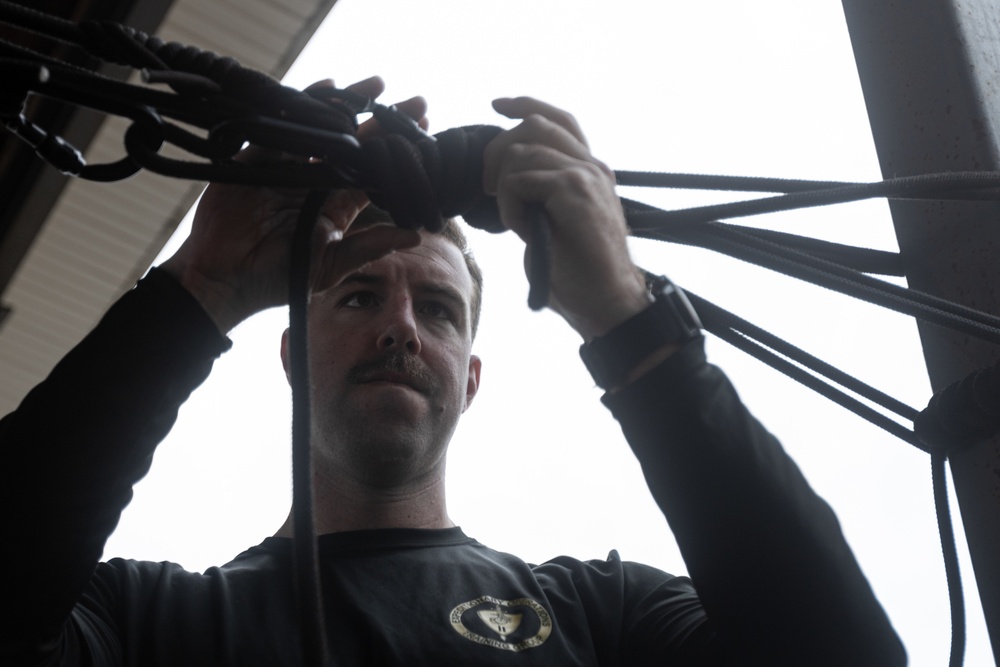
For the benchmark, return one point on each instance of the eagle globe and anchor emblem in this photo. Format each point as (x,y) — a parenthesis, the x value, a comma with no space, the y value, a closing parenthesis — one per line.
(512,625)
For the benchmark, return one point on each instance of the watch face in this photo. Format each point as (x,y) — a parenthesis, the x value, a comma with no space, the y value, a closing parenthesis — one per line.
(685,312)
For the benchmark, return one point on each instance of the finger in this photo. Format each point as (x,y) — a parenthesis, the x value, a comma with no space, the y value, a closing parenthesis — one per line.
(326,90)
(536,156)
(319,85)
(522,107)
(533,131)
(359,248)
(567,188)
(256,155)
(521,193)
(415,108)
(371,87)
(339,210)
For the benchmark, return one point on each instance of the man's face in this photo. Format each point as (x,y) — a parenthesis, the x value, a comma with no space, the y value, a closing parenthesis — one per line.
(391,365)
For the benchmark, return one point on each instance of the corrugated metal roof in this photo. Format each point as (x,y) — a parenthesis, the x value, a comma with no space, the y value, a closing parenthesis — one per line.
(99,238)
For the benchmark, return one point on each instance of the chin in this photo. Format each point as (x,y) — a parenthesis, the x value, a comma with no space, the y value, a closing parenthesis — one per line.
(384,462)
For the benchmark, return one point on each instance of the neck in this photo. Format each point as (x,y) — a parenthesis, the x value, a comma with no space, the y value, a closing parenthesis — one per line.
(345,504)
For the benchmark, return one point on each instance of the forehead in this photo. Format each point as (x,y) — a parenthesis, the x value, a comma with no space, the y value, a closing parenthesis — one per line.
(436,262)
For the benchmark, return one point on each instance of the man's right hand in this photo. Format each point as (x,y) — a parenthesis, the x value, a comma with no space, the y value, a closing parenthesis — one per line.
(236,260)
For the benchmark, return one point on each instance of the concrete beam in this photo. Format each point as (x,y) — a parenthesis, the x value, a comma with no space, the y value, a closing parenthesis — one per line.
(930,71)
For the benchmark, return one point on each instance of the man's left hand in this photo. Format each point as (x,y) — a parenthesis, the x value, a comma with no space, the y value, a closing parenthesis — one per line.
(545,161)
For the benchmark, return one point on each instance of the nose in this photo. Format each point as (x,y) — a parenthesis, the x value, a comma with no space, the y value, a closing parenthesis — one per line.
(399,330)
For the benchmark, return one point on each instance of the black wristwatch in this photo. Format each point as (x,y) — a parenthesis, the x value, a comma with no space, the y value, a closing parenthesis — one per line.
(669,319)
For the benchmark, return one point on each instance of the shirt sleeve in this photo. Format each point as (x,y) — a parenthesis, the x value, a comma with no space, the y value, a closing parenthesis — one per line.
(778,582)
(71,452)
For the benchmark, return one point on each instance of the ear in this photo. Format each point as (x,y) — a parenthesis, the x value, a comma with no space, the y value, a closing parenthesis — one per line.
(475,366)
(285,362)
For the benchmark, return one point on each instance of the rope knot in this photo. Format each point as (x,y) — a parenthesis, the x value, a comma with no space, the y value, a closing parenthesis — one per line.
(422,183)
(962,413)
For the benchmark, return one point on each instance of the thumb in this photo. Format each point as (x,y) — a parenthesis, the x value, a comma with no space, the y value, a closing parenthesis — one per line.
(358,248)
(341,208)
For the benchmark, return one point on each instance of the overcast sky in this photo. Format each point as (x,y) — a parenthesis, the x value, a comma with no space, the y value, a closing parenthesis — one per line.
(538,467)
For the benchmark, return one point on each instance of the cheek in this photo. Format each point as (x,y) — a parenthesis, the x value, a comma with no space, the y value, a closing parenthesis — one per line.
(327,357)
(329,337)
(458,376)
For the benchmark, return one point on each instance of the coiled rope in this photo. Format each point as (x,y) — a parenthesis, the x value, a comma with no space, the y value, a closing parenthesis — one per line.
(420,180)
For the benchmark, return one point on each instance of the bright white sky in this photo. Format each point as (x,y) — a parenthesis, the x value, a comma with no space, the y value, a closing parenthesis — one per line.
(538,467)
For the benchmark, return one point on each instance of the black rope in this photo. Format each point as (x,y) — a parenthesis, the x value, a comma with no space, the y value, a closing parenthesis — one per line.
(847,281)
(950,553)
(972,185)
(753,339)
(830,392)
(647,179)
(960,415)
(306,558)
(540,272)
(40,23)
(865,260)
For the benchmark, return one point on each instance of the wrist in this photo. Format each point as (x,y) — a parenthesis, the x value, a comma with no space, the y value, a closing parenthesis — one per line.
(618,306)
(217,299)
(644,340)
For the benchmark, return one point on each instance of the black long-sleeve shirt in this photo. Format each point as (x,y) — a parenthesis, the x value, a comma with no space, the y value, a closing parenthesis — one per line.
(774,581)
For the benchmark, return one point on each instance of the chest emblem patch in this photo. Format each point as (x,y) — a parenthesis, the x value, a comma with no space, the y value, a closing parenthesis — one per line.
(512,625)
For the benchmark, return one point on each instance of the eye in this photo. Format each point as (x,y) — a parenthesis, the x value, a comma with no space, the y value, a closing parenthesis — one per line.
(436,310)
(360,300)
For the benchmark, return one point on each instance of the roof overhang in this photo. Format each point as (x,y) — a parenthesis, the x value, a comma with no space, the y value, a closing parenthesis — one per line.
(69,248)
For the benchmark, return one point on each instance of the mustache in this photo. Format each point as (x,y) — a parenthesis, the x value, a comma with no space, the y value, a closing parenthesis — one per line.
(396,362)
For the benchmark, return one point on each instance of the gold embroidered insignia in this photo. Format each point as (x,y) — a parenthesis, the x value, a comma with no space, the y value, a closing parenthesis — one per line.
(512,625)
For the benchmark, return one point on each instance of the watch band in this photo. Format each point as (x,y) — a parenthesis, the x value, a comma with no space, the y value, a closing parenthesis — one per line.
(669,319)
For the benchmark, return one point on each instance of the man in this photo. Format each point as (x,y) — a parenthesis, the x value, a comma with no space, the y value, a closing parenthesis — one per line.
(392,318)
